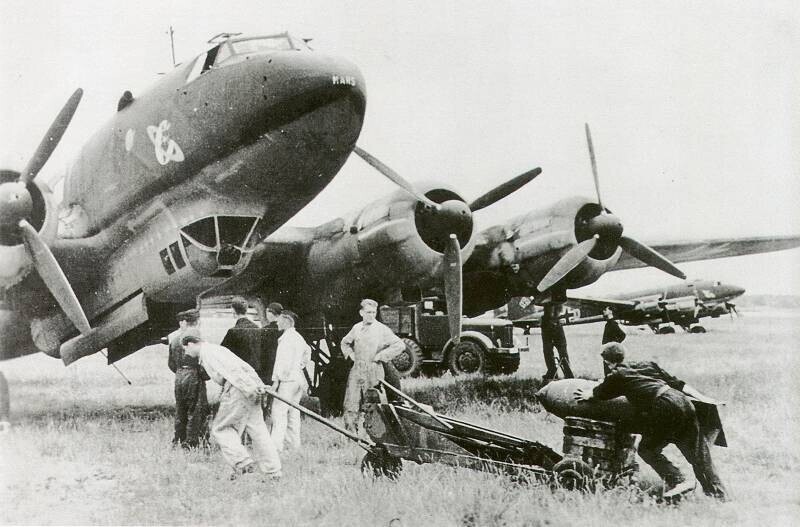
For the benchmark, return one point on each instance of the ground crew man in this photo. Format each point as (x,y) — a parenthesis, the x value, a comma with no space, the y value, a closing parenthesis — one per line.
(269,342)
(611,332)
(368,344)
(668,416)
(289,381)
(553,337)
(239,408)
(191,401)
(244,338)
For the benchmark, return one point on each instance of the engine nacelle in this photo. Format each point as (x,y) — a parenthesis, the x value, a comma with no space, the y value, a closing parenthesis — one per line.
(390,244)
(524,249)
(15,263)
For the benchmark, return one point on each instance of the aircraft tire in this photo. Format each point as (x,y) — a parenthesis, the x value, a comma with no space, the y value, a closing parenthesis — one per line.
(409,362)
(380,463)
(697,329)
(666,330)
(468,356)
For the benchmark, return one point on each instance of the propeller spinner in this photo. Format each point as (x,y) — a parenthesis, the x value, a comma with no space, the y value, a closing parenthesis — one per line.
(444,222)
(17,209)
(602,230)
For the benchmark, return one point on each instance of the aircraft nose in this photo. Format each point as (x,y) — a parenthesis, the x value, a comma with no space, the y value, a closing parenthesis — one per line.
(736,290)
(296,83)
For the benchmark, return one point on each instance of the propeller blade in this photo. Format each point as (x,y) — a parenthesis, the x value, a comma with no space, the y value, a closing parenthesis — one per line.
(501,191)
(394,177)
(51,138)
(649,256)
(594,167)
(453,286)
(567,263)
(53,277)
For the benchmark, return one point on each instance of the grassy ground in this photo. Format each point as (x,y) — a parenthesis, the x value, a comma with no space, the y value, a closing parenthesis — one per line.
(89,449)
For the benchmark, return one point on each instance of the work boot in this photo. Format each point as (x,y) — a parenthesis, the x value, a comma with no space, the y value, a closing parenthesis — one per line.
(681,488)
(241,471)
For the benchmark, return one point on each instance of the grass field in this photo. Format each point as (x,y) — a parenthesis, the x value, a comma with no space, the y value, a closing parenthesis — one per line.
(89,449)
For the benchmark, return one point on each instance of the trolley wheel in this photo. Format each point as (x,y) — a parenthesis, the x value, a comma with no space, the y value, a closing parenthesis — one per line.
(409,362)
(574,474)
(666,330)
(380,463)
(697,329)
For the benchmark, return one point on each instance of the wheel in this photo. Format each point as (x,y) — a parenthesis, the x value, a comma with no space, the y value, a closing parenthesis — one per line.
(666,330)
(574,474)
(409,361)
(467,357)
(698,329)
(380,463)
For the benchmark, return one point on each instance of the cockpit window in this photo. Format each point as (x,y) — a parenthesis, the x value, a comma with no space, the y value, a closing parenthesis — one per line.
(233,230)
(257,45)
(203,231)
(216,244)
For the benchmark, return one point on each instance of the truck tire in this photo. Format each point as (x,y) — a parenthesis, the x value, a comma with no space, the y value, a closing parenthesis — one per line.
(408,363)
(468,356)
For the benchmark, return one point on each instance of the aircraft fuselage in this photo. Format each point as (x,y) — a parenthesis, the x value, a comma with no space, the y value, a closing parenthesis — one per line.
(168,198)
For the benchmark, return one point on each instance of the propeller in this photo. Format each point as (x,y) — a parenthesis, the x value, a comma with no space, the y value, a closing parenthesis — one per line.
(16,209)
(568,262)
(602,232)
(394,177)
(453,287)
(444,222)
(51,138)
(503,190)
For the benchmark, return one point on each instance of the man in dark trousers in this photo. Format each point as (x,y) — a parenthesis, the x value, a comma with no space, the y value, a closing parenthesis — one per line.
(553,337)
(611,333)
(244,338)
(191,401)
(667,416)
(269,342)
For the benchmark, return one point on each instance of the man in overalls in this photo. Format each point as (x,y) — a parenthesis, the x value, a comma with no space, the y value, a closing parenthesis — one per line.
(368,345)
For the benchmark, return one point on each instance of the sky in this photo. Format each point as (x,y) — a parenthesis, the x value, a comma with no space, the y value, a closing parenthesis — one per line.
(694,106)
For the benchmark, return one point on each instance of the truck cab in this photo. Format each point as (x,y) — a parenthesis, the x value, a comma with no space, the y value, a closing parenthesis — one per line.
(487,344)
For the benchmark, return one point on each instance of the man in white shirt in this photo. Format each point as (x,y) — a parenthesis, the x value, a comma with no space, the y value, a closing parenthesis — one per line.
(288,380)
(239,407)
(368,345)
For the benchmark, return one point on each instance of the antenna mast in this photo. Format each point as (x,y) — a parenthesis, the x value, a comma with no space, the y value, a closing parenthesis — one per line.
(172,44)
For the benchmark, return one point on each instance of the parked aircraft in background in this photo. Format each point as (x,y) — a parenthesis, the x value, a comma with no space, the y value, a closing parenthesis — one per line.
(543,253)
(661,308)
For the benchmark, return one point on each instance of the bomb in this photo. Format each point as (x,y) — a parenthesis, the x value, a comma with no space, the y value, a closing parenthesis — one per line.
(558,398)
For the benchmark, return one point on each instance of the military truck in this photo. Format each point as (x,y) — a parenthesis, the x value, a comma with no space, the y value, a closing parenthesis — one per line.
(487,344)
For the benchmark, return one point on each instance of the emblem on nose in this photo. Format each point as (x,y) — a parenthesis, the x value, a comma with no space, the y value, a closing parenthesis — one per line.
(166,149)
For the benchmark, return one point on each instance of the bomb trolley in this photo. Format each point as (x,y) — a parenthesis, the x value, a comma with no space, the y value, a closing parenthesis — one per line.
(401,428)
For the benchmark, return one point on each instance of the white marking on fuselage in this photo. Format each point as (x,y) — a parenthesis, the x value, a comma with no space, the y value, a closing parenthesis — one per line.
(129,137)
(166,149)
(346,80)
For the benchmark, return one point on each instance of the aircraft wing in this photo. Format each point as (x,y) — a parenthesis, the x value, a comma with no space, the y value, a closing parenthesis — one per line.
(690,251)
(601,303)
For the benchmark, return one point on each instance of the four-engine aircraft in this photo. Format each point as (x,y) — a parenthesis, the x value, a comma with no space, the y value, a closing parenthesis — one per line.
(181,196)
(682,304)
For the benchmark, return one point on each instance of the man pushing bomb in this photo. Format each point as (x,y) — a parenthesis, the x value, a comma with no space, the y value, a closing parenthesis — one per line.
(668,416)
